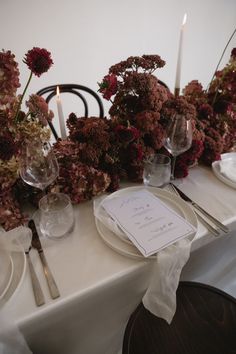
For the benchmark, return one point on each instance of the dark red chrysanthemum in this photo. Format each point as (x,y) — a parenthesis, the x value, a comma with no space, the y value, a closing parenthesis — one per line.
(38,60)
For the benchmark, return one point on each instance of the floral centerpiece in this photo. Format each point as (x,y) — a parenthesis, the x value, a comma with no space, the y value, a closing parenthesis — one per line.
(99,152)
(19,128)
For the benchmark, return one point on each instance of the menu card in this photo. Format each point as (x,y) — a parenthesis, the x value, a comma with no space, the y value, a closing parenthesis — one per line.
(147,221)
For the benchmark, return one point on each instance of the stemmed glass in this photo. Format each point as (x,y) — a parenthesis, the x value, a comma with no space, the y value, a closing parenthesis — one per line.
(179,138)
(39,167)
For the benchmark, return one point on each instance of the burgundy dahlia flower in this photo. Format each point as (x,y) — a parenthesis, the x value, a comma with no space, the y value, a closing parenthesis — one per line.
(38,60)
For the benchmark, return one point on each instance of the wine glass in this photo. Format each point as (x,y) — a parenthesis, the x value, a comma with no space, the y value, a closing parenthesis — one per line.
(179,138)
(39,167)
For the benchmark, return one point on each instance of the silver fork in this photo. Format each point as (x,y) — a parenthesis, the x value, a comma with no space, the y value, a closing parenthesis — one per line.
(38,293)
(214,231)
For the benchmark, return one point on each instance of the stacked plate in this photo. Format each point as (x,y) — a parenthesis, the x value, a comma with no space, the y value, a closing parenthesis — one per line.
(12,266)
(120,243)
(225,169)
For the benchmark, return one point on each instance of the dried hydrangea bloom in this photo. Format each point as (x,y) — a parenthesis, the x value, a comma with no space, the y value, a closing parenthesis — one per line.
(92,130)
(213,146)
(8,174)
(146,121)
(146,63)
(38,60)
(139,92)
(81,182)
(178,105)
(9,79)
(38,108)
(31,130)
(126,134)
(10,214)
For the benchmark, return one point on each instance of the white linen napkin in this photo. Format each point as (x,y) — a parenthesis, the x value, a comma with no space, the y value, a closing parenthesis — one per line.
(15,239)
(228,168)
(160,297)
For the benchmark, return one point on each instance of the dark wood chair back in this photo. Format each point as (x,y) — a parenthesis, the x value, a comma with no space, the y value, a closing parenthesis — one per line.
(204,323)
(50,91)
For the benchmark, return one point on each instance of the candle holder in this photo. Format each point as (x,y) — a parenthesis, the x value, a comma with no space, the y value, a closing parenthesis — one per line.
(177,91)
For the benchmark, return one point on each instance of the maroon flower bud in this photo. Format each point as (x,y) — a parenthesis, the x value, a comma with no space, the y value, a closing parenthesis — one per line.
(109,86)
(233,53)
(38,60)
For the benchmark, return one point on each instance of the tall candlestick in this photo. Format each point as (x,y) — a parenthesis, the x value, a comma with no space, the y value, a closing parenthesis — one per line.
(179,61)
(60,115)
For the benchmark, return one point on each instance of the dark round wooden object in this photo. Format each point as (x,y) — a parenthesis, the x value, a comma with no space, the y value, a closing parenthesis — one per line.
(204,323)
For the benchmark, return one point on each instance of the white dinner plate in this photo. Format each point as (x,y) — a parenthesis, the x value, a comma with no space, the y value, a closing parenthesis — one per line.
(217,172)
(19,266)
(127,248)
(6,272)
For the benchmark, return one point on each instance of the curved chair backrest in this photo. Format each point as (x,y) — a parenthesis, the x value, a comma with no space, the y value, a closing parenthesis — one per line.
(50,91)
(204,323)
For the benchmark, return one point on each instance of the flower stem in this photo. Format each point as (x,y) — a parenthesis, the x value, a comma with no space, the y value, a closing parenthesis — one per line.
(221,58)
(22,96)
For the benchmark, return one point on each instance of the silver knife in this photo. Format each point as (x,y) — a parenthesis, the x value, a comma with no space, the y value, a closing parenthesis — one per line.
(203,211)
(54,292)
(214,231)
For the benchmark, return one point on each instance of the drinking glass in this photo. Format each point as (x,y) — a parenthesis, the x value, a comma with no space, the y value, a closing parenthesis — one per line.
(157,170)
(56,215)
(179,138)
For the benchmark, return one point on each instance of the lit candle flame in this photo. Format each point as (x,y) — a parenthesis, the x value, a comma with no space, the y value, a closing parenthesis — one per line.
(58,92)
(184,19)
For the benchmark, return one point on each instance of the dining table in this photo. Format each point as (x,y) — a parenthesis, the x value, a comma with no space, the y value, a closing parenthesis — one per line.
(99,286)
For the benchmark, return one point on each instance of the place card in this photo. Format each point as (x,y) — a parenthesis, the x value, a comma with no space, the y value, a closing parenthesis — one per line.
(147,221)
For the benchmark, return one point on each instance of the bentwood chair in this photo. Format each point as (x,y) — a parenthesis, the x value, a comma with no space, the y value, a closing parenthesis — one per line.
(51,91)
(204,323)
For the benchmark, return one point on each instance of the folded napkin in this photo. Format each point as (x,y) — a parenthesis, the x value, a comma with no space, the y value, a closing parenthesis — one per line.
(160,297)
(16,239)
(228,168)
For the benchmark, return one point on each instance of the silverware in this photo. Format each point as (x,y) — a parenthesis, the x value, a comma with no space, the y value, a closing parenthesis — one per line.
(54,292)
(38,294)
(209,227)
(203,211)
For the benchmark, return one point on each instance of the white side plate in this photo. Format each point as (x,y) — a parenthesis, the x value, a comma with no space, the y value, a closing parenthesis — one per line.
(216,169)
(19,266)
(6,272)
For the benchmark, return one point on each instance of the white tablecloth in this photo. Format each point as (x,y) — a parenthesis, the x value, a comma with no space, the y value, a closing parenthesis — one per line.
(100,288)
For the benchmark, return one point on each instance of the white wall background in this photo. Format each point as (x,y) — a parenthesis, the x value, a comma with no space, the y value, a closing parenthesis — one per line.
(86,37)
